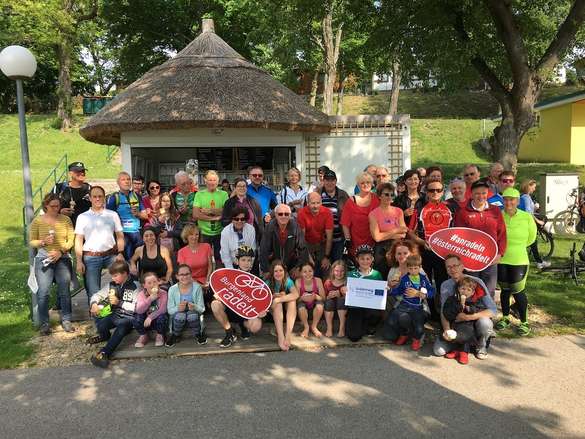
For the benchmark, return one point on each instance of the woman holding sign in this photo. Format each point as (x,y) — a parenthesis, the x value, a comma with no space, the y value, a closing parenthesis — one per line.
(435,215)
(284,294)
(478,214)
(513,268)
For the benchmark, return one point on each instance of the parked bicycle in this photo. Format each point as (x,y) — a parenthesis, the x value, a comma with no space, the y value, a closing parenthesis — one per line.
(544,238)
(565,222)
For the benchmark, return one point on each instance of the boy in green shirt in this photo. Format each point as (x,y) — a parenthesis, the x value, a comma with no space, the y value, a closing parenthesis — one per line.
(362,321)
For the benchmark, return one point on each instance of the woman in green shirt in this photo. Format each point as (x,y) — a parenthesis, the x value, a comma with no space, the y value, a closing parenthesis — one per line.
(513,267)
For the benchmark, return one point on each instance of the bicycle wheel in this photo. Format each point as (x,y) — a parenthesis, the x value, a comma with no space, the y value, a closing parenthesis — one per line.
(545,243)
(565,222)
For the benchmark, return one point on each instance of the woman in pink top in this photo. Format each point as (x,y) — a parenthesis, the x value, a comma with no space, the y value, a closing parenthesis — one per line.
(386,225)
(196,255)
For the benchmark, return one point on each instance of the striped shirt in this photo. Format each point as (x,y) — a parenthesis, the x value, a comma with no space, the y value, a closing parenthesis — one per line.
(331,203)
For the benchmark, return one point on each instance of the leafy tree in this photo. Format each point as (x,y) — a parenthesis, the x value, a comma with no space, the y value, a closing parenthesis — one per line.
(513,45)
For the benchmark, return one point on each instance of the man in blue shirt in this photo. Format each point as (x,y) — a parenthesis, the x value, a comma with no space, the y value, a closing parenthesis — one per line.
(261,193)
(128,205)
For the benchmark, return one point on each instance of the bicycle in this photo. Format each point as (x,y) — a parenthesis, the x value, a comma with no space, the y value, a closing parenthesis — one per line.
(572,268)
(544,239)
(565,222)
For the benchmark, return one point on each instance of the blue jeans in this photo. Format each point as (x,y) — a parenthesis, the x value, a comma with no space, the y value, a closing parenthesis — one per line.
(60,272)
(132,240)
(159,324)
(123,325)
(405,320)
(93,272)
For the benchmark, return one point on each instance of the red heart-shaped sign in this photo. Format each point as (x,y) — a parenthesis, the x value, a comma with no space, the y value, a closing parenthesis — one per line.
(245,294)
(476,249)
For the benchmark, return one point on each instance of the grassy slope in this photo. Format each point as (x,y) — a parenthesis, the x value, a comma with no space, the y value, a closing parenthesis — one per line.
(47,145)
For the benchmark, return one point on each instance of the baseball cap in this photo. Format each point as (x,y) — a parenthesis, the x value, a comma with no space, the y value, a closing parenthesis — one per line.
(329,175)
(363,249)
(511,193)
(77,166)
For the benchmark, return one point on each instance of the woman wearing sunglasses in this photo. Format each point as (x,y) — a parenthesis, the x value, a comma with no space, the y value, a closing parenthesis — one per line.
(435,215)
(386,225)
(151,201)
(236,234)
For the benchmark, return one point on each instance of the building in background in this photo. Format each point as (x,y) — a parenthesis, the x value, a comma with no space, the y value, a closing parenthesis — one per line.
(211,105)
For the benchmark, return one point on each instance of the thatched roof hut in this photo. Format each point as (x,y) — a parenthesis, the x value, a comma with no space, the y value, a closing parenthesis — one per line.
(208,84)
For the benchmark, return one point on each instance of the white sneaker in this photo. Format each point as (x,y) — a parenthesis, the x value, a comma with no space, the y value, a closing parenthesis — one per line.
(543,264)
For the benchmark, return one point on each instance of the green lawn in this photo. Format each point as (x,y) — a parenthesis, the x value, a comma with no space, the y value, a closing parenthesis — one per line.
(47,145)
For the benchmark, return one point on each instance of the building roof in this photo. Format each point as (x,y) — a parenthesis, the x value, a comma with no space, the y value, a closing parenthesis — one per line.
(207,84)
(557,101)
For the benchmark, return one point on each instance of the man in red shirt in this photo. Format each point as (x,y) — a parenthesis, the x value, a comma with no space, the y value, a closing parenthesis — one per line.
(316,222)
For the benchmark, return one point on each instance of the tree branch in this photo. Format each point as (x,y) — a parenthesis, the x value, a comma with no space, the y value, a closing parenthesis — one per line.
(500,92)
(563,38)
(90,15)
(510,35)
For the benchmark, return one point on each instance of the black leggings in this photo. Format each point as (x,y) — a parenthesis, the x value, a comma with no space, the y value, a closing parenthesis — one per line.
(512,280)
(535,252)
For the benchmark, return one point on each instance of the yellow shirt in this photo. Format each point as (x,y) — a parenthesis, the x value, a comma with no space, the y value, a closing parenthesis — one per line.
(63,231)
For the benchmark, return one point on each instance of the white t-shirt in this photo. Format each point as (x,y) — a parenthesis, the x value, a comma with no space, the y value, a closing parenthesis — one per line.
(98,229)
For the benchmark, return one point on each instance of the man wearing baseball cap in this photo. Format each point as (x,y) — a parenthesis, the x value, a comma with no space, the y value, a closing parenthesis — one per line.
(334,198)
(74,193)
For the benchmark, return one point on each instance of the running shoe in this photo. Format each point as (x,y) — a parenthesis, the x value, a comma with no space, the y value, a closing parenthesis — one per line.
(142,340)
(463,358)
(401,340)
(524,329)
(159,340)
(229,339)
(244,332)
(503,323)
(416,344)
(172,340)
(452,355)
(481,354)
(100,360)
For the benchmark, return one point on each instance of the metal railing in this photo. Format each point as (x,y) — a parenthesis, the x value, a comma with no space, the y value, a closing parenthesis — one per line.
(111,152)
(56,175)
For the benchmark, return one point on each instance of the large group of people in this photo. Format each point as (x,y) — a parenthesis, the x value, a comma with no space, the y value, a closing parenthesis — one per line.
(161,248)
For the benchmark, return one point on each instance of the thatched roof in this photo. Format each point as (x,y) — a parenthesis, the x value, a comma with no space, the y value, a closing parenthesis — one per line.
(208,84)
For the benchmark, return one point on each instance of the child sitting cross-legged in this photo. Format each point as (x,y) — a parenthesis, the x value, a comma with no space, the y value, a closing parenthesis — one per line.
(408,317)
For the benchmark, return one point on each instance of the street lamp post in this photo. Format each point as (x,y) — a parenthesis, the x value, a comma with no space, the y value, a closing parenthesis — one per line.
(18,63)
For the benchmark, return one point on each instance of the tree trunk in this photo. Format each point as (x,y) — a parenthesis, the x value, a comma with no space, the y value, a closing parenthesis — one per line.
(64,90)
(396,77)
(340,94)
(314,87)
(331,45)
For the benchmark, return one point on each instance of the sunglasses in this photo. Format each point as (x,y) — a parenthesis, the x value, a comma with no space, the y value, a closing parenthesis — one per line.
(283,214)
(239,219)
(434,191)
(154,187)
(257,175)
(507,180)
(387,194)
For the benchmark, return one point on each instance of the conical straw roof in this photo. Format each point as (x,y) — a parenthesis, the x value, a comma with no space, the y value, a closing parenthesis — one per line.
(208,84)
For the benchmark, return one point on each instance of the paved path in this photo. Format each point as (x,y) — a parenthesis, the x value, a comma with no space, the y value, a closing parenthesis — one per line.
(527,388)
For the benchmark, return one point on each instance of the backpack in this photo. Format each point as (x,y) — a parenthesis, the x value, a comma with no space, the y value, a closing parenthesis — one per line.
(132,196)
